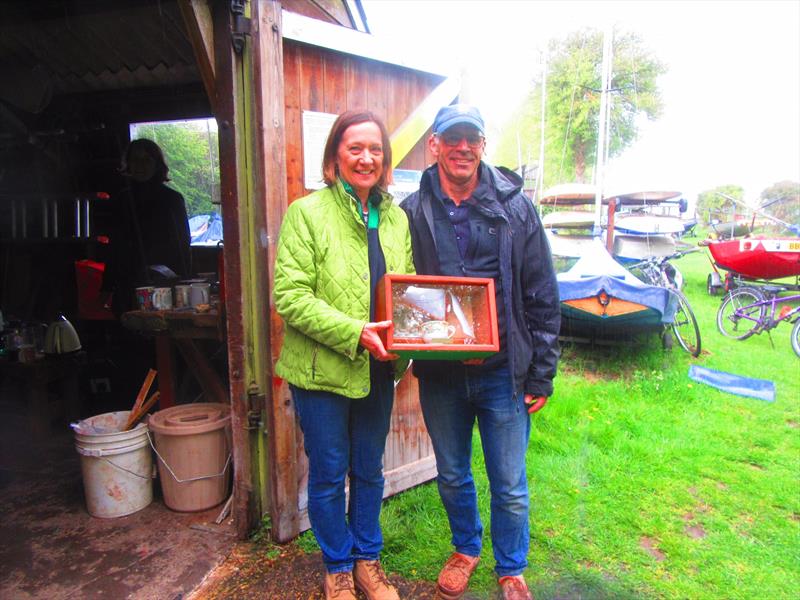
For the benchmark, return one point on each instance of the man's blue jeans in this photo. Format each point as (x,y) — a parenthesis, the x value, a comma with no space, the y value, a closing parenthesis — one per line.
(450,407)
(345,437)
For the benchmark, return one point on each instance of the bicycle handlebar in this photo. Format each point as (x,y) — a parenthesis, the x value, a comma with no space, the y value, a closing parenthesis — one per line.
(658,260)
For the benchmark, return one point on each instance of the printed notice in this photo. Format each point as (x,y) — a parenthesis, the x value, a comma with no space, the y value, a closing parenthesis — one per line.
(316,127)
(406,182)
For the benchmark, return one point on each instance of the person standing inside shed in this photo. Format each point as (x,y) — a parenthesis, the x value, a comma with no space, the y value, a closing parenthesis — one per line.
(150,226)
(470,219)
(334,246)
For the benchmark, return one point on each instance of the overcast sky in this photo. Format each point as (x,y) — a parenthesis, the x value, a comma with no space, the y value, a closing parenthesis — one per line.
(731,93)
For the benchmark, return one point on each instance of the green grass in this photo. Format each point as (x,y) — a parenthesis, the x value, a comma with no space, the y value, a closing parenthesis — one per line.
(644,483)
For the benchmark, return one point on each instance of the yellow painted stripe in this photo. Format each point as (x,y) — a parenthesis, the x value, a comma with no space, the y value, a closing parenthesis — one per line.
(410,131)
(614,308)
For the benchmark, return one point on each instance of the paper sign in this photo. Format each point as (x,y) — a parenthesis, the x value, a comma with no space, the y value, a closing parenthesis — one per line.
(316,127)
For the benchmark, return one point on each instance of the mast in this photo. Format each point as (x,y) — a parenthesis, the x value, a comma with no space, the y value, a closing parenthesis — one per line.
(605,82)
(540,173)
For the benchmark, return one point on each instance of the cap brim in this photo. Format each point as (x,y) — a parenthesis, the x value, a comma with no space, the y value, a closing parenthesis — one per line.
(459,120)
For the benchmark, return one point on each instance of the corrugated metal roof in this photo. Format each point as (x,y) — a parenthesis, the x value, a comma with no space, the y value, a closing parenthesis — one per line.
(96,46)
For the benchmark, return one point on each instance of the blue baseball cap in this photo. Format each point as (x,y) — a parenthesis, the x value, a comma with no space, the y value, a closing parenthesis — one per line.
(457,114)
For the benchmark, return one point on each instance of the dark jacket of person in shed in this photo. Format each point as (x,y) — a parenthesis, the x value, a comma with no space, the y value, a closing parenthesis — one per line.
(150,228)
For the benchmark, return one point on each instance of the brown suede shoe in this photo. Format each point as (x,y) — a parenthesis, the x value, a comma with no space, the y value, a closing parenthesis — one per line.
(514,588)
(454,577)
(371,580)
(339,586)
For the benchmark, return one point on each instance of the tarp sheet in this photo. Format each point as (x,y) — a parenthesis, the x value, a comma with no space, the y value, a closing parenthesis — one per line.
(205,230)
(762,389)
(597,271)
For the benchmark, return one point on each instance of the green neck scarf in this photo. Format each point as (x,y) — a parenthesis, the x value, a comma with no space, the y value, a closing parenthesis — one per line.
(372,203)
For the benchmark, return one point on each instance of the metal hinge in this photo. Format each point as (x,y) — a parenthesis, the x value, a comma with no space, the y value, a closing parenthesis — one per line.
(255,403)
(240,26)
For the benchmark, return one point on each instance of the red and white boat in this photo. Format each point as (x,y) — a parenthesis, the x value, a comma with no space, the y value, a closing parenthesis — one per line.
(758,257)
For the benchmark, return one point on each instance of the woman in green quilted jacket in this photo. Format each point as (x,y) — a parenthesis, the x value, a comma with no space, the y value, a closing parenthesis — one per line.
(335,245)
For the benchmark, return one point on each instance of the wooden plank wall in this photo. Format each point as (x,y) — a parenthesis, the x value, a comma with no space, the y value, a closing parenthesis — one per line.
(326,81)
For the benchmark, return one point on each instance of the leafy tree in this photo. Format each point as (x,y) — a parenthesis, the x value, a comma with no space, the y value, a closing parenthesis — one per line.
(573,83)
(711,204)
(191,152)
(782,200)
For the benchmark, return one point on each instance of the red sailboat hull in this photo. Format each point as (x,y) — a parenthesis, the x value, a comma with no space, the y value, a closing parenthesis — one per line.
(758,258)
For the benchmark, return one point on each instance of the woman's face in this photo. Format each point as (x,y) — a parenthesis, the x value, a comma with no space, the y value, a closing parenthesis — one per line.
(141,166)
(360,157)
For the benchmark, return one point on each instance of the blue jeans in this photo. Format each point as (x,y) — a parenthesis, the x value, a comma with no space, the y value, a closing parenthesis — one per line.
(345,437)
(450,407)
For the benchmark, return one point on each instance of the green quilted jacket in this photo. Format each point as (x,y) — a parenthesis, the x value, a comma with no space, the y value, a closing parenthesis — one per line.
(322,287)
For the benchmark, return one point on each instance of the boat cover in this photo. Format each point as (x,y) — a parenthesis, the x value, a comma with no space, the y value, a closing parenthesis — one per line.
(597,272)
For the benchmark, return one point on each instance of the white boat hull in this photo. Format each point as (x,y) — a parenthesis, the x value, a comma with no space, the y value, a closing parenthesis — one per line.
(648,224)
(571,246)
(575,219)
(628,248)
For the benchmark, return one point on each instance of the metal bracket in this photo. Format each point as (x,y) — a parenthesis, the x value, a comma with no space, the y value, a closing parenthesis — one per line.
(240,26)
(255,402)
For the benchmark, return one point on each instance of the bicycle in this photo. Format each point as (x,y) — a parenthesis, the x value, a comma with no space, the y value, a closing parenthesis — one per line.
(658,271)
(748,311)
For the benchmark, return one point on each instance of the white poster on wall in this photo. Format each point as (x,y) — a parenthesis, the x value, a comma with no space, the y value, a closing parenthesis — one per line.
(316,127)
(406,182)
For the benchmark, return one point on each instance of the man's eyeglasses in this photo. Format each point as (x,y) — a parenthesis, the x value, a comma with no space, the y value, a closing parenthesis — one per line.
(454,139)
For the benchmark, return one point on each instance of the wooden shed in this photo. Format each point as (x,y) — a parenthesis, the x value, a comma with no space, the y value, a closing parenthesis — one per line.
(264,69)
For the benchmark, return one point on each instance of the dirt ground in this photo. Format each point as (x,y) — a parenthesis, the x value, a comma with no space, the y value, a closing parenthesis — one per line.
(282,573)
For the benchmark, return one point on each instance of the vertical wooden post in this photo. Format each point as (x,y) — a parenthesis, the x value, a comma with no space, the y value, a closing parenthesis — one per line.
(270,189)
(232,106)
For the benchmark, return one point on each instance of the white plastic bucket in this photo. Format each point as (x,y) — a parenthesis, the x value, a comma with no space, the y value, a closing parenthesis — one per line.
(117,465)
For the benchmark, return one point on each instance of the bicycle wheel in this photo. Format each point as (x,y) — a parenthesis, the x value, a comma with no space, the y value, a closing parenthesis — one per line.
(737,318)
(684,326)
(796,337)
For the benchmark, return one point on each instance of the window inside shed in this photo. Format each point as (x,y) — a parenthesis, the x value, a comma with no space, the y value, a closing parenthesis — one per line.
(191,150)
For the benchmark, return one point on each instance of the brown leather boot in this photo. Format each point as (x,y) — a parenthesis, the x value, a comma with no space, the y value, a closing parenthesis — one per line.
(514,588)
(370,579)
(454,577)
(339,586)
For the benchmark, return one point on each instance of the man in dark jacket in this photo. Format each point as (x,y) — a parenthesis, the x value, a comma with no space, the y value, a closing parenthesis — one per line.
(470,219)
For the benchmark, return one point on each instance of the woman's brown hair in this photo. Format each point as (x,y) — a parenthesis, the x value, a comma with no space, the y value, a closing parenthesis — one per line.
(345,120)
(161,173)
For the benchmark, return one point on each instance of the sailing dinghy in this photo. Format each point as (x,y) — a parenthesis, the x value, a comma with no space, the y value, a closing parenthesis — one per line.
(600,298)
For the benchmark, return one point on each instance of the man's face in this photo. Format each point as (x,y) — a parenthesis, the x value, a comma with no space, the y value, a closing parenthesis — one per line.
(458,152)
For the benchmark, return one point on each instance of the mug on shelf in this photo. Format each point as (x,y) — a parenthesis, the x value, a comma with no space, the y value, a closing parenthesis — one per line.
(182,295)
(144,297)
(162,298)
(199,293)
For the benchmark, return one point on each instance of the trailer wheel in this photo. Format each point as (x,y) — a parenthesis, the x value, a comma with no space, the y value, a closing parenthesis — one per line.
(713,290)
(666,339)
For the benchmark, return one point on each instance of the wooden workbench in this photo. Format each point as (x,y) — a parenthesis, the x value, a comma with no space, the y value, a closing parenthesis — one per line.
(180,328)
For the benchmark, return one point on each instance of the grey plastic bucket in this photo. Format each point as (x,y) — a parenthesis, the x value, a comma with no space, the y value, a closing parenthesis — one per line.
(117,465)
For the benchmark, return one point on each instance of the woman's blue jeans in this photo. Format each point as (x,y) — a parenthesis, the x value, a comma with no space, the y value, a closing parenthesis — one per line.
(345,436)
(450,407)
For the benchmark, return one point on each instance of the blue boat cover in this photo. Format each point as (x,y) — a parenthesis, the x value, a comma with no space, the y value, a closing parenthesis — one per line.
(597,272)
(205,230)
(761,389)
